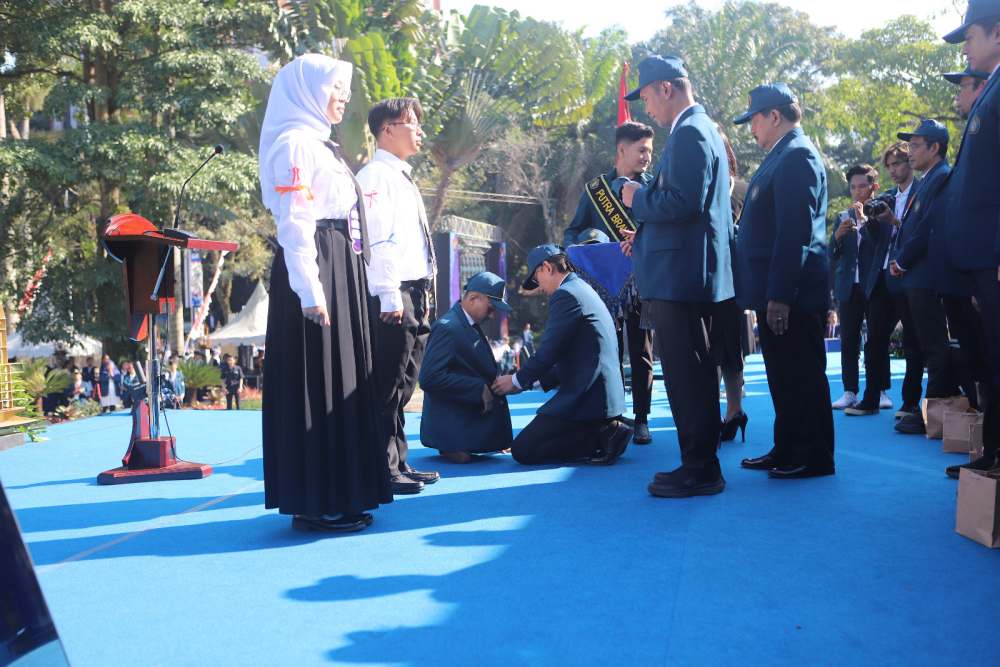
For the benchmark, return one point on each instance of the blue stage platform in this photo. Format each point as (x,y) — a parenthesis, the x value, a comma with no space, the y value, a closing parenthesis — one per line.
(499,564)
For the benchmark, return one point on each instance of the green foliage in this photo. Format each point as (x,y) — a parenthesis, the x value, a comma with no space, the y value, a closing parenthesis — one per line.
(730,51)
(198,375)
(78,410)
(38,380)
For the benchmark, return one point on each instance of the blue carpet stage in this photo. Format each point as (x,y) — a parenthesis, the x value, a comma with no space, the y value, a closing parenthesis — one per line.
(503,565)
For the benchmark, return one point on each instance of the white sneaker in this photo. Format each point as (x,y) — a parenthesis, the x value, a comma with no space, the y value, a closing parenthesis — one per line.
(884,402)
(848,400)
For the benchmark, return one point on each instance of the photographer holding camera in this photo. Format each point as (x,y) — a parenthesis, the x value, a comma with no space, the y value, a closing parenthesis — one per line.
(887,304)
(847,246)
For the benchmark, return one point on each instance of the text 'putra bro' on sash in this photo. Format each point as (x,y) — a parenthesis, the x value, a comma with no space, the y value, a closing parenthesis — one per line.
(610,208)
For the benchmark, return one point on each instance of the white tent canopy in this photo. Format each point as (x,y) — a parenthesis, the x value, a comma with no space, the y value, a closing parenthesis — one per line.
(249,326)
(85,347)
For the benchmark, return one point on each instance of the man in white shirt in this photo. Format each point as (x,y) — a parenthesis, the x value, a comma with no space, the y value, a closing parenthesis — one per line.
(400,276)
(887,303)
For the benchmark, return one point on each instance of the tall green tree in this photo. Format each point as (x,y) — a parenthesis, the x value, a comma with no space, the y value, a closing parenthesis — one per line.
(146,85)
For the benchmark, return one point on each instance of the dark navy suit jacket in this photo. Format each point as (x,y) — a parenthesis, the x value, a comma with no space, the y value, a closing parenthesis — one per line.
(781,246)
(844,255)
(579,354)
(457,365)
(974,214)
(587,217)
(920,246)
(682,249)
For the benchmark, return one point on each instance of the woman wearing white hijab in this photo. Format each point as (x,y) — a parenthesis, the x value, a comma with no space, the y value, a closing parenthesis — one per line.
(324,461)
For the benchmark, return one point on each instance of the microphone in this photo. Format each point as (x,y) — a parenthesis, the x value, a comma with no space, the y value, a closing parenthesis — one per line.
(219,150)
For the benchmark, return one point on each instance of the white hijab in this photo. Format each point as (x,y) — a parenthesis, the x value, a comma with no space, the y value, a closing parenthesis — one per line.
(297,102)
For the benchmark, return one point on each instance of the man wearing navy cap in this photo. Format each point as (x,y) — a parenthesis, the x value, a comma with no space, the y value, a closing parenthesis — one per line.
(919,263)
(461,415)
(683,267)
(974,210)
(781,255)
(579,355)
(970,83)
(600,210)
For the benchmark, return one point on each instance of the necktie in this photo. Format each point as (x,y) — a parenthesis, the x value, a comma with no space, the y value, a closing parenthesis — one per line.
(366,250)
(424,226)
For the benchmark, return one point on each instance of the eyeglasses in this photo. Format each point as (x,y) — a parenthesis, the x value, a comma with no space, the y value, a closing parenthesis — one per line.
(917,144)
(414,125)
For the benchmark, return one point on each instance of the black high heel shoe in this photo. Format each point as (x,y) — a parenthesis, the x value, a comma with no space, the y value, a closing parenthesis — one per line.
(730,427)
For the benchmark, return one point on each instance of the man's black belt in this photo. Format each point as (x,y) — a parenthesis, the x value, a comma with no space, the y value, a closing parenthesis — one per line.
(339,225)
(423,283)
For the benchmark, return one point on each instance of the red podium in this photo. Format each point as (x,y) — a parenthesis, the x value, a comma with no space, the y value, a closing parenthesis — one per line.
(145,253)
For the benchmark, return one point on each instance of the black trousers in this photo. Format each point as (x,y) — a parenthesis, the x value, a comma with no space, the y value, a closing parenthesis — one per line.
(230,397)
(931,327)
(966,325)
(796,375)
(885,311)
(684,339)
(399,350)
(852,315)
(548,439)
(987,290)
(640,354)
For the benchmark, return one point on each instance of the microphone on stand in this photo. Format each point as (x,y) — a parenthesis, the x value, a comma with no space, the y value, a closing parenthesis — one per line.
(175,231)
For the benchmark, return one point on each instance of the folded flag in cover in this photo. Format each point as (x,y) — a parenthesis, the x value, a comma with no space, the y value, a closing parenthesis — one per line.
(609,272)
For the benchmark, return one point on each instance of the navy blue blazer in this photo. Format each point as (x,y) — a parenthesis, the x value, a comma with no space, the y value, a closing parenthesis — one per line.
(579,354)
(844,256)
(920,246)
(781,246)
(457,364)
(974,213)
(587,217)
(682,250)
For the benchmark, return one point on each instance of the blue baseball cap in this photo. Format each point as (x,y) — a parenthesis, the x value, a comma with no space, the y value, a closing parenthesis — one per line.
(956,77)
(977,11)
(764,97)
(492,286)
(658,68)
(538,255)
(931,130)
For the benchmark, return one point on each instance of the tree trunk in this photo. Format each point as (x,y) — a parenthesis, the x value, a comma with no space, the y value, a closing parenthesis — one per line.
(25,128)
(3,118)
(447,173)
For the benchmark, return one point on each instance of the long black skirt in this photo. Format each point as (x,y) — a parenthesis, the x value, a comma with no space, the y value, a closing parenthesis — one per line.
(323,449)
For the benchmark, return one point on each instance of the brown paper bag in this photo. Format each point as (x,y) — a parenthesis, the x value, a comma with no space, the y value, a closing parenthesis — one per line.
(934,409)
(976,436)
(978,513)
(957,431)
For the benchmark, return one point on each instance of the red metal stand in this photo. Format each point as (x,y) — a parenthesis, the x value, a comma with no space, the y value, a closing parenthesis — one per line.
(147,266)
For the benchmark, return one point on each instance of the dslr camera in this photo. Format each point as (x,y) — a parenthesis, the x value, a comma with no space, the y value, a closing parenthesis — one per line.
(877,206)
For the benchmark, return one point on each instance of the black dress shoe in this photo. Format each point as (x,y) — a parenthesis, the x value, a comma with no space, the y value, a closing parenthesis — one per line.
(417,476)
(737,423)
(403,485)
(985,462)
(615,442)
(765,462)
(347,524)
(641,435)
(911,424)
(907,409)
(799,472)
(686,482)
